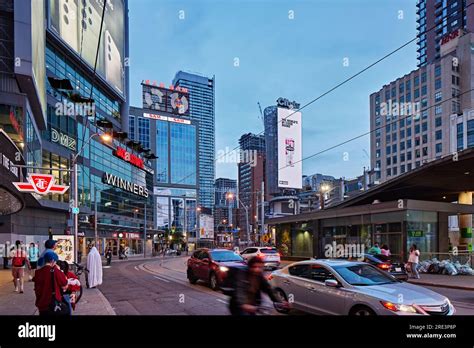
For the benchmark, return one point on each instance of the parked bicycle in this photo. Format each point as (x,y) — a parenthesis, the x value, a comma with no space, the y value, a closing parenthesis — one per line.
(78,271)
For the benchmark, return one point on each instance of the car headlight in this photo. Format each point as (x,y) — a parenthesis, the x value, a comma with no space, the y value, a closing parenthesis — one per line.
(223,268)
(398,307)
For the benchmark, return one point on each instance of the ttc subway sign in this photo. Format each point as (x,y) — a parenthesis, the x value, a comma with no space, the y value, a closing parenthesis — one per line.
(41,184)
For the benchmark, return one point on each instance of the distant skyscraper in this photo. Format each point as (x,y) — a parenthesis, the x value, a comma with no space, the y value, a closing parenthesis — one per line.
(225,209)
(201,109)
(446,16)
(251,175)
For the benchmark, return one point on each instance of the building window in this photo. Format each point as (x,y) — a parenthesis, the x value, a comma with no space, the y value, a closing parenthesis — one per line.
(394,148)
(131,127)
(409,156)
(424,138)
(424,126)
(437,83)
(409,144)
(389,172)
(423,77)
(394,159)
(438,109)
(144,132)
(408,132)
(455,107)
(402,169)
(460,136)
(416,81)
(438,96)
(402,157)
(470,133)
(417,129)
(417,153)
(423,90)
(455,80)
(437,71)
(402,146)
(402,134)
(387,150)
(395,171)
(425,151)
(438,122)
(439,148)
(389,161)
(409,166)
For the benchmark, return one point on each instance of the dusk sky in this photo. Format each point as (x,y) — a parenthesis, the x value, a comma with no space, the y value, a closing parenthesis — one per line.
(297,58)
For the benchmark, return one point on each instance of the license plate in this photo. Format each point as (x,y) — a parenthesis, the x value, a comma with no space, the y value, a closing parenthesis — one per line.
(398,269)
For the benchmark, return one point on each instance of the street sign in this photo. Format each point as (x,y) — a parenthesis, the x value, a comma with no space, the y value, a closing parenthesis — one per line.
(41,184)
(75,210)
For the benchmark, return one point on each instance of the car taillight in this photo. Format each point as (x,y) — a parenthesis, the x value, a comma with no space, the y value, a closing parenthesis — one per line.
(384,266)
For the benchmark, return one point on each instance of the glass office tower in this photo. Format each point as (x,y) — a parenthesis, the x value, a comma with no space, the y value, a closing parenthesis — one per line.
(201,108)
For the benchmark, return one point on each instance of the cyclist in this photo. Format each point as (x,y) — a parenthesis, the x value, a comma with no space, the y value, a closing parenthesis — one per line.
(248,287)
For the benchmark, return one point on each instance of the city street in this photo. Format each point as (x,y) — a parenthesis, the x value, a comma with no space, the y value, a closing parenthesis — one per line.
(160,287)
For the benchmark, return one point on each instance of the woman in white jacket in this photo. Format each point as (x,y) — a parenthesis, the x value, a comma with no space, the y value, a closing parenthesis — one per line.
(413,260)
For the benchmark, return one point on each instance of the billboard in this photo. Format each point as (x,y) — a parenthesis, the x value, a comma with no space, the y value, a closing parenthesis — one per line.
(206,226)
(77,23)
(173,100)
(64,247)
(290,166)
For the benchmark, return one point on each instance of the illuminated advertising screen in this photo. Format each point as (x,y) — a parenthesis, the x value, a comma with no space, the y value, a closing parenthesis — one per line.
(64,247)
(206,226)
(290,166)
(174,100)
(77,23)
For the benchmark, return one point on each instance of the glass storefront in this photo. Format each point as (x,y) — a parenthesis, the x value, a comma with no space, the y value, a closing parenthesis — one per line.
(398,230)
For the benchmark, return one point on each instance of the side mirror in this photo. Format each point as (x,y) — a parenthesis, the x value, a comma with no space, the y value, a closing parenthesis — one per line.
(331,283)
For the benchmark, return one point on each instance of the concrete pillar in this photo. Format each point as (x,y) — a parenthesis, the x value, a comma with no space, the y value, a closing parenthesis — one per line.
(465,223)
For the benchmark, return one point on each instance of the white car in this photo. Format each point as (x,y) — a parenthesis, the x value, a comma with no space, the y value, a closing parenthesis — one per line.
(340,287)
(269,255)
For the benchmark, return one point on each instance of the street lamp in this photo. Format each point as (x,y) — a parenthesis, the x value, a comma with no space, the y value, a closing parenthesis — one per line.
(323,189)
(105,137)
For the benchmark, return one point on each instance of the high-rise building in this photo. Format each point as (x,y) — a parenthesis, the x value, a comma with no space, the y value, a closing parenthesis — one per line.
(115,180)
(165,124)
(425,114)
(225,208)
(202,109)
(251,170)
(283,157)
(435,20)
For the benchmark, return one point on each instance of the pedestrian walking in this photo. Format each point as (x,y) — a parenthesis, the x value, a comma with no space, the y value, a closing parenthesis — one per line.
(19,263)
(6,256)
(50,282)
(108,255)
(385,250)
(413,261)
(48,246)
(94,265)
(33,256)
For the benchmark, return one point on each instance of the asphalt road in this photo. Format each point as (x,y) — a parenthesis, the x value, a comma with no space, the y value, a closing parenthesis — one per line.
(160,287)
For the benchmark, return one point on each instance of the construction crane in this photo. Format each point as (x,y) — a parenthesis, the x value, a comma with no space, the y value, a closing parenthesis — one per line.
(261,113)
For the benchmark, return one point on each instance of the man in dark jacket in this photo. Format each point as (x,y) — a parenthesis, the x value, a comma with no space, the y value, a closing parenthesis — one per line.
(249,285)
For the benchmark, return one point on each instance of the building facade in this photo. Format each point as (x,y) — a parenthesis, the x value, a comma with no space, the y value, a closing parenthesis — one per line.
(225,208)
(163,123)
(202,110)
(412,117)
(251,173)
(436,19)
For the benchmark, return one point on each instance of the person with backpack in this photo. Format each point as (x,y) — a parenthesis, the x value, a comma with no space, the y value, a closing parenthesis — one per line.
(50,282)
(33,256)
(19,262)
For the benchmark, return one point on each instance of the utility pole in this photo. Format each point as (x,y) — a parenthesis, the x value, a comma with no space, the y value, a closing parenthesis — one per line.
(75,216)
(144,232)
(263,214)
(95,217)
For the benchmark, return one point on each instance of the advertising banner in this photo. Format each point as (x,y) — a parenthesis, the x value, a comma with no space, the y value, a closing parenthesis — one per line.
(173,101)
(290,166)
(206,226)
(65,247)
(77,23)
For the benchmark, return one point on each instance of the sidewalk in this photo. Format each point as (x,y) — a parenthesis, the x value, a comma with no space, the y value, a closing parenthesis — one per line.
(461,282)
(92,302)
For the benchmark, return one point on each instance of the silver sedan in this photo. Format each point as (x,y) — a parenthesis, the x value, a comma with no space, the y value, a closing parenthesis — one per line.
(339,287)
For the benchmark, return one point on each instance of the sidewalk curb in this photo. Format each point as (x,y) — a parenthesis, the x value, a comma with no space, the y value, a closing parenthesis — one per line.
(457,287)
(106,302)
